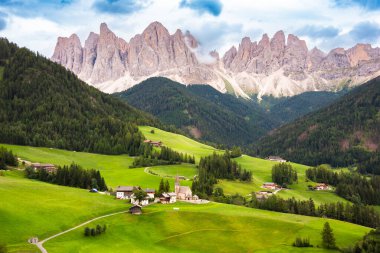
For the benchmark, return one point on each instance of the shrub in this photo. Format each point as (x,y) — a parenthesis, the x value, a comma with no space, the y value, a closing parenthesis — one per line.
(302,242)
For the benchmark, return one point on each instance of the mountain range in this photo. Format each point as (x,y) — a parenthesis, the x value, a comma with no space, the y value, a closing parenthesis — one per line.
(278,66)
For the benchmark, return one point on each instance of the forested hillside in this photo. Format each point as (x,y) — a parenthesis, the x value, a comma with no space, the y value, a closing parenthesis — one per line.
(200,110)
(344,133)
(43,104)
(291,108)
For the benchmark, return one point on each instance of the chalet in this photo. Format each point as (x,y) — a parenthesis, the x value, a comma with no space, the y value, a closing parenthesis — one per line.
(150,193)
(44,166)
(271,186)
(154,143)
(170,197)
(125,192)
(321,187)
(261,195)
(276,159)
(136,209)
(182,192)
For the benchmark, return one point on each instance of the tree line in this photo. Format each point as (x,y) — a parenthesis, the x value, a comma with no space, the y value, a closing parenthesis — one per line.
(215,167)
(98,230)
(354,213)
(164,156)
(43,104)
(351,186)
(283,174)
(73,176)
(7,158)
(369,244)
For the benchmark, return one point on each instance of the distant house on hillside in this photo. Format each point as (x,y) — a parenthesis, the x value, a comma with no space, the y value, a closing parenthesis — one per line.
(154,143)
(150,193)
(321,187)
(44,166)
(136,209)
(149,196)
(167,198)
(262,195)
(271,186)
(125,192)
(276,159)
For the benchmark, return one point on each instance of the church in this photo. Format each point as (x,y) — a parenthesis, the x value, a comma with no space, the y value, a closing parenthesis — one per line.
(182,192)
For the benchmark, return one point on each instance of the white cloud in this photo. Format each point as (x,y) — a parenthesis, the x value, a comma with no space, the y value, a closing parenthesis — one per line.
(238,19)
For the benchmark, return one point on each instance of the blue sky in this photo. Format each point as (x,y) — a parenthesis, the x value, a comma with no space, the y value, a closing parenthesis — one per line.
(217,24)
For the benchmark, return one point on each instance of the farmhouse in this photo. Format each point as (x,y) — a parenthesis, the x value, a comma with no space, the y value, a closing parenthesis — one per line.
(136,209)
(182,192)
(43,166)
(150,193)
(271,186)
(261,195)
(276,159)
(154,143)
(321,187)
(125,192)
(170,197)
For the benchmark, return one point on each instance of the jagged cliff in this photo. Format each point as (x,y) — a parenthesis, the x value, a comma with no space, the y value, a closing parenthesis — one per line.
(279,66)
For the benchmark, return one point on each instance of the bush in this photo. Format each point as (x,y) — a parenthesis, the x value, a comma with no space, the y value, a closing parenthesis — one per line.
(98,230)
(302,242)
(152,131)
(87,231)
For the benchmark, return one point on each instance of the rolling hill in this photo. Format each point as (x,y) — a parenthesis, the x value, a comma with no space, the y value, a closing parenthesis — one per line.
(344,133)
(200,111)
(43,104)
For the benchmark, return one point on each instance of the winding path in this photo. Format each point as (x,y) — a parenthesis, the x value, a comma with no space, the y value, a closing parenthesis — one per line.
(40,243)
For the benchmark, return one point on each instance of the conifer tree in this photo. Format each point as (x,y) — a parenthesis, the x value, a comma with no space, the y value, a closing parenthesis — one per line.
(328,239)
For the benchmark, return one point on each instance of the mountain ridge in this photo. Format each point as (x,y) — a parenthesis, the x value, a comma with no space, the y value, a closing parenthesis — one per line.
(278,66)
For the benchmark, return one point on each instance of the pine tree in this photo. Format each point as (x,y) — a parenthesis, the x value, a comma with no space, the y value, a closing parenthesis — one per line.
(87,231)
(167,186)
(328,239)
(161,188)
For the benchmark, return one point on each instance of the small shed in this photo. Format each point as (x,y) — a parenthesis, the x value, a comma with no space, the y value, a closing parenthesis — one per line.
(136,209)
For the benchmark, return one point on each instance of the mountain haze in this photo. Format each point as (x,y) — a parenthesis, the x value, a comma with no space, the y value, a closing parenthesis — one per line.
(344,133)
(278,66)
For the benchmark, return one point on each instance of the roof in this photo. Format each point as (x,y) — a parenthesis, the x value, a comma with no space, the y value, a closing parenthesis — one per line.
(135,206)
(275,158)
(126,188)
(269,183)
(150,190)
(184,189)
(172,194)
(42,165)
(165,195)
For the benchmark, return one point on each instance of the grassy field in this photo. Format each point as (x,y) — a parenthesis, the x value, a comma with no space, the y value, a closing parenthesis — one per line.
(31,208)
(204,228)
(186,170)
(179,142)
(114,168)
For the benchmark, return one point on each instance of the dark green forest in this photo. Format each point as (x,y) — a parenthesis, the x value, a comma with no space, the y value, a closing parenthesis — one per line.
(200,111)
(344,133)
(43,104)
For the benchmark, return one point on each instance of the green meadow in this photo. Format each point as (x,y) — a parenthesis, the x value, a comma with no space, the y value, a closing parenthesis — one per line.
(31,208)
(116,171)
(211,227)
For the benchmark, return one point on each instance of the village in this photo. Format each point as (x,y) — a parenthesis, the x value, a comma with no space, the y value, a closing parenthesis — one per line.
(140,197)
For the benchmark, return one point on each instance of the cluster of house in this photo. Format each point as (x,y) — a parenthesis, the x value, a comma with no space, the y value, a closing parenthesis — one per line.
(154,143)
(180,193)
(50,168)
(276,159)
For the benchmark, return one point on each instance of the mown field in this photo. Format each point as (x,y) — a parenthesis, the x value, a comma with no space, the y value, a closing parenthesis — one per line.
(31,208)
(204,228)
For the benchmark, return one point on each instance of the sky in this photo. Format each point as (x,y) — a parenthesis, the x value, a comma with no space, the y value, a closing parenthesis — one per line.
(216,24)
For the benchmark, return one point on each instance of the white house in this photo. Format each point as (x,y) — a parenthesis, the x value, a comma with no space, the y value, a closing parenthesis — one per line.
(271,186)
(150,193)
(170,197)
(125,192)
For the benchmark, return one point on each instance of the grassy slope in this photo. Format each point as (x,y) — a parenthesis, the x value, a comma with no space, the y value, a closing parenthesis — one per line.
(204,228)
(261,168)
(32,208)
(114,168)
(116,172)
